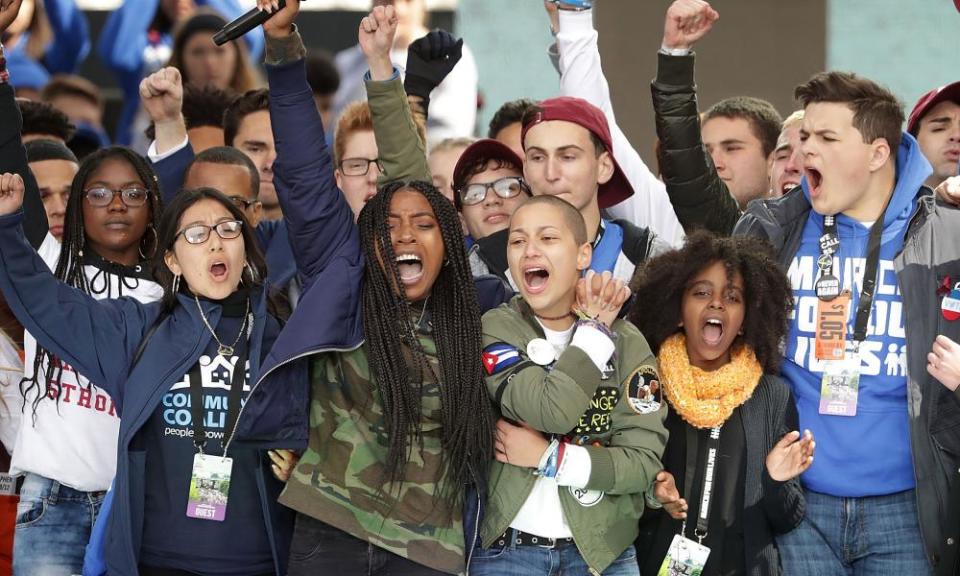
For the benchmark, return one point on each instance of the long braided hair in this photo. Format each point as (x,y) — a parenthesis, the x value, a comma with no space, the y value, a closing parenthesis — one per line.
(467,418)
(70,267)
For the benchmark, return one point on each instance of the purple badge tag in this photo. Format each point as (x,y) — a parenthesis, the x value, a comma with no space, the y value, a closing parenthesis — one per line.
(209,487)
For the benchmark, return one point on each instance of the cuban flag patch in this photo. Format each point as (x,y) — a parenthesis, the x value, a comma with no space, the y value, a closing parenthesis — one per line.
(498,357)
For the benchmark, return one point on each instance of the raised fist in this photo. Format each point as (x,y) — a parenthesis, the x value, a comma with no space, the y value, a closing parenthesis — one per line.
(162,95)
(281,23)
(11,193)
(687,21)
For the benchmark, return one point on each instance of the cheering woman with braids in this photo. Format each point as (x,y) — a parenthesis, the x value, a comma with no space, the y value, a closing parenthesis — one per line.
(399,420)
(65,448)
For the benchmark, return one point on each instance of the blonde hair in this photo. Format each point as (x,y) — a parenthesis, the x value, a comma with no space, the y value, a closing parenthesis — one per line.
(792,119)
(448,144)
(357,118)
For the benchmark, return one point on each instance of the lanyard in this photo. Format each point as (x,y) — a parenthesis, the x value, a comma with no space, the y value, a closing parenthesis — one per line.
(708,463)
(233,401)
(828,286)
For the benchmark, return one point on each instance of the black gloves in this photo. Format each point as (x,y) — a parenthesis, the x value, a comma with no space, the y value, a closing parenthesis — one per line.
(429,60)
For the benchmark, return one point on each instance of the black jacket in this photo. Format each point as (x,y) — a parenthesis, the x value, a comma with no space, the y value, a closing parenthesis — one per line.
(699,196)
(769,507)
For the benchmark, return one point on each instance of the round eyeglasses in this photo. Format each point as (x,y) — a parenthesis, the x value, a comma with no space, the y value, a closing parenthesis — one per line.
(131,196)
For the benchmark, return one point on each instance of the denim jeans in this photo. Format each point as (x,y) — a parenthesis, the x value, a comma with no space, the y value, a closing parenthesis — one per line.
(319,549)
(513,560)
(53,527)
(856,537)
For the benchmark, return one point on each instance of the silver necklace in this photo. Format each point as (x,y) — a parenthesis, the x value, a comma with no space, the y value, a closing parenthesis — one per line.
(223,349)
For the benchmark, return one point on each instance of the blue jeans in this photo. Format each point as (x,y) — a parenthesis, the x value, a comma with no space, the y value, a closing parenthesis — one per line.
(856,537)
(53,527)
(513,560)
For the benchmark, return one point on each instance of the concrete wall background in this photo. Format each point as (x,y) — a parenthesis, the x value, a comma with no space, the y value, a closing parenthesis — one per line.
(757,48)
(911,46)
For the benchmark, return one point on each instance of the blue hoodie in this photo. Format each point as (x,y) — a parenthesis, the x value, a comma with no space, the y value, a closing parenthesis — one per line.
(868,454)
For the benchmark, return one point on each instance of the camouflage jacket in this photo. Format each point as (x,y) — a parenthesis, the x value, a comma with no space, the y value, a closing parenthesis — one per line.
(339,480)
(572,399)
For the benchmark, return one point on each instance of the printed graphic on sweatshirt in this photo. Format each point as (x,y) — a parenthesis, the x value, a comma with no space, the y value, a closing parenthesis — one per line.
(884,352)
(216,375)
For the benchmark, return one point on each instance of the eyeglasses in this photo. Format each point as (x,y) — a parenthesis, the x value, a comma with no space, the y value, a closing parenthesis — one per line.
(242,203)
(504,188)
(358,166)
(199,233)
(100,196)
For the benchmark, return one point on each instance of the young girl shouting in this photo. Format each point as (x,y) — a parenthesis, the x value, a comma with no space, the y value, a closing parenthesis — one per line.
(715,312)
(579,441)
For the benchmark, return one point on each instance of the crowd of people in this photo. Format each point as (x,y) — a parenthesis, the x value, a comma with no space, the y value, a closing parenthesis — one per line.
(299,320)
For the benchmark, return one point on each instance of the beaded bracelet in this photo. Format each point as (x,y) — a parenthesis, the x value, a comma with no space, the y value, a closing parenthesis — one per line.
(594,323)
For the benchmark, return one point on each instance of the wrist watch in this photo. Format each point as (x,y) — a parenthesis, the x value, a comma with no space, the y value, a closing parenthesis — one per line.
(574,5)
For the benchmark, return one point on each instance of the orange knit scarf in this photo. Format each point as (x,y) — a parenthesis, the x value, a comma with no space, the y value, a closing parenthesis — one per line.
(706,399)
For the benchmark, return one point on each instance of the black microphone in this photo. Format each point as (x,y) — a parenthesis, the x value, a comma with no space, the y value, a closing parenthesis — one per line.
(244,24)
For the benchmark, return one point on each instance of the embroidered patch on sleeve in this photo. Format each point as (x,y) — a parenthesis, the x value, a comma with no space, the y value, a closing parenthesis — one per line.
(644,392)
(499,356)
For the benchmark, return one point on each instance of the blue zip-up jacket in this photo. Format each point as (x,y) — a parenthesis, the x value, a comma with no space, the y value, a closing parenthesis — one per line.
(272,234)
(124,39)
(70,44)
(105,335)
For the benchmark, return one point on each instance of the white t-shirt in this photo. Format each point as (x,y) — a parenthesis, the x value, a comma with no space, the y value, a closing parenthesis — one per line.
(11,370)
(73,440)
(542,512)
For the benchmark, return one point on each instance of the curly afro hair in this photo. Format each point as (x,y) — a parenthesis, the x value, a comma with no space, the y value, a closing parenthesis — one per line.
(661,283)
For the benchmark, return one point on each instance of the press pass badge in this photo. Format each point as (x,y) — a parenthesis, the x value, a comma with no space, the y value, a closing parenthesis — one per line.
(209,487)
(685,558)
(840,386)
(831,335)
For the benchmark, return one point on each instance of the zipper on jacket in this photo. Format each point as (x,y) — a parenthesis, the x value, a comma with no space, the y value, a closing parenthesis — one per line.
(263,376)
(476,533)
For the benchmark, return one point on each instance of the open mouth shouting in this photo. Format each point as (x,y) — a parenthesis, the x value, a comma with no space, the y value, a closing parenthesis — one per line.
(712,332)
(814,180)
(219,270)
(535,279)
(409,268)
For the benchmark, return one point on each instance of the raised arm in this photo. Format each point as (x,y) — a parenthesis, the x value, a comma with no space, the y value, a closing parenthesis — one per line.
(319,221)
(171,152)
(581,75)
(96,337)
(699,197)
(71,36)
(401,151)
(13,157)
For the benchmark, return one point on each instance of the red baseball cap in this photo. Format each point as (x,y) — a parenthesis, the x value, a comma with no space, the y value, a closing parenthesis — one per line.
(950,92)
(488,149)
(583,113)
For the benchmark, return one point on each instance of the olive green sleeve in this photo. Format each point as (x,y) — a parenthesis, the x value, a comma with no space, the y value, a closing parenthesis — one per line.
(549,401)
(632,460)
(402,153)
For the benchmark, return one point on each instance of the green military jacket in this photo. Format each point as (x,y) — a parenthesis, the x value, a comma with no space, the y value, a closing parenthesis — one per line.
(617,414)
